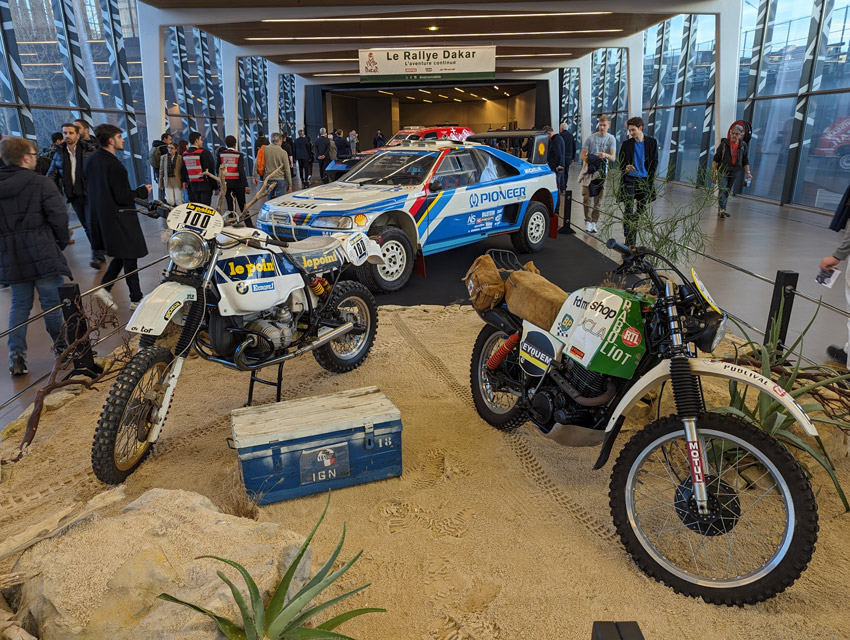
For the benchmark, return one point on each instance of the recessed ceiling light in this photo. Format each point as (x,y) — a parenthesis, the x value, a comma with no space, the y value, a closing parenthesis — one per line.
(433,28)
(456,100)
(526,69)
(533,55)
(433,18)
(322,59)
(410,97)
(333,75)
(424,91)
(461,90)
(425,35)
(495,87)
(473,95)
(389,93)
(507,94)
(442,96)
(428,101)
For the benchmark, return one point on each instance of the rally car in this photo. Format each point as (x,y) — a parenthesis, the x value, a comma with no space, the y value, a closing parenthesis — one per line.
(420,198)
(447,132)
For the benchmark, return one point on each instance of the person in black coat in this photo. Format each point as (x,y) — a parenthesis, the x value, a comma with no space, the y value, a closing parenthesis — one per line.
(569,150)
(555,158)
(110,201)
(638,162)
(343,149)
(33,232)
(323,153)
(302,156)
(379,140)
(196,160)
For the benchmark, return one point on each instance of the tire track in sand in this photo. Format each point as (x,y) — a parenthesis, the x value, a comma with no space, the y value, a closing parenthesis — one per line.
(516,442)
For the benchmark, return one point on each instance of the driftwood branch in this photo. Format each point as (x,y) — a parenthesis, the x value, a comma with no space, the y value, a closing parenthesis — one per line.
(262,191)
(10,630)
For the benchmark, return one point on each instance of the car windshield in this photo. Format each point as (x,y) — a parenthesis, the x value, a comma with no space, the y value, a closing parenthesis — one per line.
(396,168)
(400,137)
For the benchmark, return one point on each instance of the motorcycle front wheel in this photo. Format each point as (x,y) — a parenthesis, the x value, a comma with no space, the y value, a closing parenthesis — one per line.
(120,440)
(498,407)
(350,302)
(761,529)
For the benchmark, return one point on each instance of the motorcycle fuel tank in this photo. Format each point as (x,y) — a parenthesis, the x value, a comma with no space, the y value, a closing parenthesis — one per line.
(602,329)
(253,280)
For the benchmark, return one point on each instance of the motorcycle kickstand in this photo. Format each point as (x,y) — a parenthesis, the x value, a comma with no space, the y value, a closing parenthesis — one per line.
(272,383)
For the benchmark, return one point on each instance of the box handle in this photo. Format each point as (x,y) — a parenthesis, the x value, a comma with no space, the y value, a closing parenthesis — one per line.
(370,435)
(230,443)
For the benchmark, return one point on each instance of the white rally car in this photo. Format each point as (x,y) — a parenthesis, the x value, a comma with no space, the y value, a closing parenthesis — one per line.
(421,198)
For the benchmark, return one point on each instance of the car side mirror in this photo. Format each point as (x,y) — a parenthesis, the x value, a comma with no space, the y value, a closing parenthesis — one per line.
(436,185)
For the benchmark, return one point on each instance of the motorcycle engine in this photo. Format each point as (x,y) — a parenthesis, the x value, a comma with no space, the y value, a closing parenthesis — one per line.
(278,327)
(589,383)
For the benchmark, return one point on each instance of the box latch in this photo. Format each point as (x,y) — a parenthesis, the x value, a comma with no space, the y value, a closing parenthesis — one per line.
(370,435)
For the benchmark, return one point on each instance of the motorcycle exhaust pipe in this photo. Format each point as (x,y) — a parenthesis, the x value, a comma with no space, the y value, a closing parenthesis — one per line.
(330,336)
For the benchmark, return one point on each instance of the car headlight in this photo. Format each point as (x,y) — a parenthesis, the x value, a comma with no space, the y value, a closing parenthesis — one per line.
(712,333)
(263,216)
(333,222)
(188,250)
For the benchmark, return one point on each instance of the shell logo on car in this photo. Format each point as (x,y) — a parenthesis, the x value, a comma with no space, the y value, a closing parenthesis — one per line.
(419,198)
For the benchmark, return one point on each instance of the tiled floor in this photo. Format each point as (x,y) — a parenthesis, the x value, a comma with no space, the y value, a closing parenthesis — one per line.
(761,237)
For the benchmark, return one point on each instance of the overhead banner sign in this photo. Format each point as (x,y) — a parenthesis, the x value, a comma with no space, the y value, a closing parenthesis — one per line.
(427,63)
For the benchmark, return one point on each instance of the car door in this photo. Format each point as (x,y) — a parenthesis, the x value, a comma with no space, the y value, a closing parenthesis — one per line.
(452,214)
(501,195)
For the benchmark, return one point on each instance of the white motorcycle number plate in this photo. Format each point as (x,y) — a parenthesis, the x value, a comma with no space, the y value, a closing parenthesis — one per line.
(199,218)
(704,292)
(355,247)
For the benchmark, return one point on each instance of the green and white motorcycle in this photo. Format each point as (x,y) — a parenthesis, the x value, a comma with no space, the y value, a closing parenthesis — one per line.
(704,502)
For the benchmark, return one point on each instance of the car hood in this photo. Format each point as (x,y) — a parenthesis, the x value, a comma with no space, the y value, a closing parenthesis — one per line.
(341,197)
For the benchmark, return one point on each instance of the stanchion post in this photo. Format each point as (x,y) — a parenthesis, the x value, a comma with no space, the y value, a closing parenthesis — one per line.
(77,327)
(783,288)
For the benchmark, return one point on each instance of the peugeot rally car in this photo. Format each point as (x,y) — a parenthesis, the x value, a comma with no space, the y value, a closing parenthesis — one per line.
(420,198)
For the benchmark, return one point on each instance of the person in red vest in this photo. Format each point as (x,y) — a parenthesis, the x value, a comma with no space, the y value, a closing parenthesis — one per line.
(233,162)
(196,160)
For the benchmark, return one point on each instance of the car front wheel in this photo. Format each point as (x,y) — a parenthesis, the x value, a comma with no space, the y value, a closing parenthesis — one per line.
(398,262)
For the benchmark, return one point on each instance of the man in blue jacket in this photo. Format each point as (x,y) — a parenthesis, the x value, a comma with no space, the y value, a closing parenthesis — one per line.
(33,233)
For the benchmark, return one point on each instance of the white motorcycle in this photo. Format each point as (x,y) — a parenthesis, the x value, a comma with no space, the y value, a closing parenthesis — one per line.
(243,299)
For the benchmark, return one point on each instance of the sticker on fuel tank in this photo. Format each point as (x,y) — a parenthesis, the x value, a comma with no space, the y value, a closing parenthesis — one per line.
(536,353)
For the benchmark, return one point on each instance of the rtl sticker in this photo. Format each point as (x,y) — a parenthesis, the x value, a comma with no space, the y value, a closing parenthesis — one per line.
(631,337)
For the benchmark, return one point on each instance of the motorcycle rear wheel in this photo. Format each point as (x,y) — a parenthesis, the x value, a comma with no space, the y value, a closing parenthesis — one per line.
(353,303)
(120,440)
(499,409)
(763,522)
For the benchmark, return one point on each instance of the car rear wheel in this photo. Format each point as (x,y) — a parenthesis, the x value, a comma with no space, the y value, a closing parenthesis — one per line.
(535,227)
(398,262)
(844,158)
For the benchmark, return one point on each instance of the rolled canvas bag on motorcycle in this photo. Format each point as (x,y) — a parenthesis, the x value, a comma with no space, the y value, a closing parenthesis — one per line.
(532,297)
(484,283)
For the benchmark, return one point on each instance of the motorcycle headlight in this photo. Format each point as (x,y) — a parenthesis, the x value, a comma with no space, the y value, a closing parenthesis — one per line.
(713,332)
(333,222)
(188,250)
(263,216)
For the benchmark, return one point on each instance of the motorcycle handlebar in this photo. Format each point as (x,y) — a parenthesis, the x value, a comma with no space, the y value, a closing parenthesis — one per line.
(620,248)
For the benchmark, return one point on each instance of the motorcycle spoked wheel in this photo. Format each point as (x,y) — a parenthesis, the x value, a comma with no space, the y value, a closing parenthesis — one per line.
(499,409)
(120,440)
(762,527)
(352,302)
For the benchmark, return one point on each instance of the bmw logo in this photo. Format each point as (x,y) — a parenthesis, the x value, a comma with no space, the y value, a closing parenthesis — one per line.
(242,288)
(473,199)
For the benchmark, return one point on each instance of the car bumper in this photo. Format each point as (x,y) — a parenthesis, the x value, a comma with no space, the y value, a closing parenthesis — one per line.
(288,232)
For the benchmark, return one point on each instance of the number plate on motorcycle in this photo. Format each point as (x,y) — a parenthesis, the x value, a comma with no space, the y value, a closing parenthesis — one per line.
(355,247)
(203,220)
(324,463)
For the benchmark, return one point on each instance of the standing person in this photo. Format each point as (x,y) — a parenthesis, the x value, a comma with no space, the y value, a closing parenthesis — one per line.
(111,197)
(731,156)
(158,148)
(171,176)
(555,160)
(196,160)
(638,162)
(86,140)
(33,232)
(286,145)
(67,171)
(49,151)
(261,142)
(343,150)
(323,153)
(828,263)
(569,151)
(302,156)
(276,157)
(183,147)
(235,177)
(603,145)
(353,142)
(379,140)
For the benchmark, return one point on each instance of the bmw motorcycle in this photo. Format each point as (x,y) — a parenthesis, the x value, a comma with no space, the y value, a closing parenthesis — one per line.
(240,298)
(704,502)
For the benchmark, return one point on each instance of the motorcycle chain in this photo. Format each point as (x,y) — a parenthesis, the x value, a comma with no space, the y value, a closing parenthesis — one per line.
(516,442)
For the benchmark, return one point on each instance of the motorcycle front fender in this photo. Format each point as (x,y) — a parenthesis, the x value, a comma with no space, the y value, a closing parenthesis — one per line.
(700,367)
(159,308)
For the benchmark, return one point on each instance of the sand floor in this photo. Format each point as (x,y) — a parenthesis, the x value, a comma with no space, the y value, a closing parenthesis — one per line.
(485,536)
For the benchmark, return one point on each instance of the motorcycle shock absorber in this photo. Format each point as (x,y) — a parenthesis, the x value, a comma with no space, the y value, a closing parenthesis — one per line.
(689,405)
(502,352)
(319,286)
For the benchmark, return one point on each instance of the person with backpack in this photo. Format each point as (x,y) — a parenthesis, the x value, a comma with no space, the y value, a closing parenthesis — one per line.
(157,149)
(730,159)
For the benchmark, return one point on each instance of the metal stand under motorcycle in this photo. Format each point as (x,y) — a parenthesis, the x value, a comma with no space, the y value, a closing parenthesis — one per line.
(242,299)
(705,502)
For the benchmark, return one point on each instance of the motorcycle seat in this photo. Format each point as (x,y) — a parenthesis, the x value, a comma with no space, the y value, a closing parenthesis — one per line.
(317,253)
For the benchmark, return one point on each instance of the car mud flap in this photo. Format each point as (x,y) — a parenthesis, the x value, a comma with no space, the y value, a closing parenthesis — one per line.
(608,443)
(419,266)
(553,225)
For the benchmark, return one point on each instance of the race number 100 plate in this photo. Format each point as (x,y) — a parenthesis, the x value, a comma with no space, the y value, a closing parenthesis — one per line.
(200,218)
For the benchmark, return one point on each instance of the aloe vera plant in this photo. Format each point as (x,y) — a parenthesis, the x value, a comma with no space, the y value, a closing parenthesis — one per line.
(283,619)
(784,365)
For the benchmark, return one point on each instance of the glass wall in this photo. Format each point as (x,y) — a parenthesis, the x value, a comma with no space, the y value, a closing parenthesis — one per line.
(253,104)
(55,87)
(571,101)
(286,105)
(609,89)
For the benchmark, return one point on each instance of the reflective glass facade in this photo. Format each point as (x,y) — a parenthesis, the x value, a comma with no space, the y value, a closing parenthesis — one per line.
(609,89)
(571,101)
(253,104)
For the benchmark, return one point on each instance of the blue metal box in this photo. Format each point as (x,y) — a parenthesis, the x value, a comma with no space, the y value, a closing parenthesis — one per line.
(295,448)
